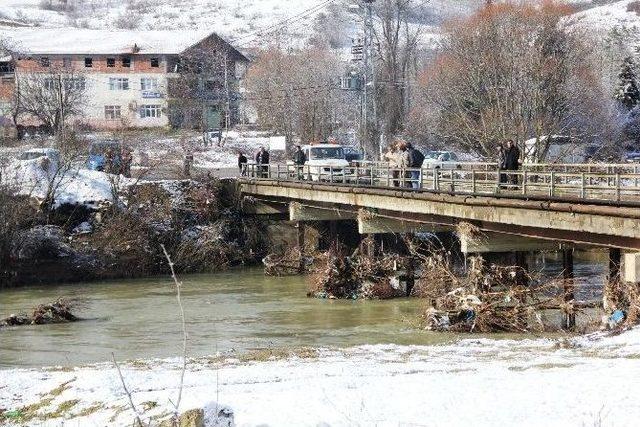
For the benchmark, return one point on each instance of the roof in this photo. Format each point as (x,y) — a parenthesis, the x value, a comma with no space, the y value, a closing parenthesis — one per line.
(78,41)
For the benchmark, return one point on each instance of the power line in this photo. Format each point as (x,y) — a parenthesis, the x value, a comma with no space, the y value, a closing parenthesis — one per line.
(284,23)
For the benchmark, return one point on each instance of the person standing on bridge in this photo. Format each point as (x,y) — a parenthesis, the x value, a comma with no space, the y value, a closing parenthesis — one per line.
(391,156)
(512,161)
(242,163)
(262,160)
(299,159)
(404,161)
(416,159)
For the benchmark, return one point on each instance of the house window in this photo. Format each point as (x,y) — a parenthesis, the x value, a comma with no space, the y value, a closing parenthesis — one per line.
(49,83)
(111,62)
(88,62)
(147,83)
(126,62)
(150,111)
(155,62)
(112,112)
(75,83)
(66,62)
(6,67)
(118,83)
(44,61)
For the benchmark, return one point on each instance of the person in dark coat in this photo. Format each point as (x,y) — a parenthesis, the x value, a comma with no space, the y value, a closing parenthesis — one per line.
(512,160)
(299,159)
(262,160)
(242,163)
(416,159)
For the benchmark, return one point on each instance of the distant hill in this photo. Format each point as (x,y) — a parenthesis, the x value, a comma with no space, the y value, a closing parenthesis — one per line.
(242,20)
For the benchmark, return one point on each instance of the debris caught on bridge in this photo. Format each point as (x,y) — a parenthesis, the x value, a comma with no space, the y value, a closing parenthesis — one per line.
(621,298)
(489,298)
(59,311)
(337,275)
(291,263)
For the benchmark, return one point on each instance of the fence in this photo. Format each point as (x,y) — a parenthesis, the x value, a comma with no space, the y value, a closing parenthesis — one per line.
(592,182)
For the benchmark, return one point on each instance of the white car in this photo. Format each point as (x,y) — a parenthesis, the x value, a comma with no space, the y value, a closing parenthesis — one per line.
(51,154)
(440,160)
(324,161)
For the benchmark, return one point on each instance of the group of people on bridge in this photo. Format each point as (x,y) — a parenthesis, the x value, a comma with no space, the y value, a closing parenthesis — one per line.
(403,155)
(404,160)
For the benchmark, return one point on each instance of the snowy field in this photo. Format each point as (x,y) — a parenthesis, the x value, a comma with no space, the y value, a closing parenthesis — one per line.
(588,381)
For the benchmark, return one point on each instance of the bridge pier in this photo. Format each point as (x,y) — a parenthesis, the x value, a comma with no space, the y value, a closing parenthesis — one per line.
(371,223)
(299,212)
(498,242)
(632,267)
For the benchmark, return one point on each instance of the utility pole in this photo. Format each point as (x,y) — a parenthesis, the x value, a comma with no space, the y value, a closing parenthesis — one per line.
(370,112)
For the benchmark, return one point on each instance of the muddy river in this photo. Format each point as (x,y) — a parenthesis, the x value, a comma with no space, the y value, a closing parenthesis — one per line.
(238,310)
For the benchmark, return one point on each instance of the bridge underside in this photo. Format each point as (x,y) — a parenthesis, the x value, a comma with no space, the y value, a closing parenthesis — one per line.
(399,211)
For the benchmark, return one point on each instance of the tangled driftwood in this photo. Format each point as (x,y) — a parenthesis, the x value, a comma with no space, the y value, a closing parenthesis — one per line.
(337,275)
(59,311)
(487,299)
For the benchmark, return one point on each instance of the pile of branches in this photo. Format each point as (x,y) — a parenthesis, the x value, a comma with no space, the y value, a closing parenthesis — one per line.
(487,299)
(291,263)
(357,276)
(59,311)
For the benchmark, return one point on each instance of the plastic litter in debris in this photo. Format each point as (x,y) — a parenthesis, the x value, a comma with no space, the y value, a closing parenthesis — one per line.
(616,318)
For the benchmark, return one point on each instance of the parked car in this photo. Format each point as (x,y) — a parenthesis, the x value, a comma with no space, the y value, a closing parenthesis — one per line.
(323,161)
(352,154)
(441,160)
(212,135)
(35,153)
(632,157)
(98,155)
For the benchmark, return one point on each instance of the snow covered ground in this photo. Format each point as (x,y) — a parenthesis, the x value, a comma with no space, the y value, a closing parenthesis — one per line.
(74,185)
(587,381)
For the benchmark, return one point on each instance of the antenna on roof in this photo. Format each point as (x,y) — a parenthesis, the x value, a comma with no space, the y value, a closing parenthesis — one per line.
(136,48)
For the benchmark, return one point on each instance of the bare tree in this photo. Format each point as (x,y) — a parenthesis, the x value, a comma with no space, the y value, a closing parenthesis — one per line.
(206,86)
(51,97)
(397,39)
(296,92)
(512,72)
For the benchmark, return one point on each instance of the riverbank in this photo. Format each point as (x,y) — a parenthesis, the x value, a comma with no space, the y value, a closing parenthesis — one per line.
(481,382)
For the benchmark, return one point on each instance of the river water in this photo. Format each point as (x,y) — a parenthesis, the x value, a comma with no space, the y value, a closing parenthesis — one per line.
(238,310)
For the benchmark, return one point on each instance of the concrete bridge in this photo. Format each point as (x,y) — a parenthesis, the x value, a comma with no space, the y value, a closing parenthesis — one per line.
(541,207)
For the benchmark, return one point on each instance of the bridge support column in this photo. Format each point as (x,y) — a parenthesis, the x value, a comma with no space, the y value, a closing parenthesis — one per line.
(569,317)
(632,267)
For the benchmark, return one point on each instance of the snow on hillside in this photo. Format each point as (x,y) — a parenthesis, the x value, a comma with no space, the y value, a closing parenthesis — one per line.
(607,17)
(230,18)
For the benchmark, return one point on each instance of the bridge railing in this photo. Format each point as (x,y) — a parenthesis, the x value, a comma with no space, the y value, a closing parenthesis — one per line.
(612,183)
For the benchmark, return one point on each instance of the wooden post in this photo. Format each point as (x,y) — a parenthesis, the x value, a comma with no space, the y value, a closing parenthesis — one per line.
(615,256)
(569,317)
(301,243)
(521,261)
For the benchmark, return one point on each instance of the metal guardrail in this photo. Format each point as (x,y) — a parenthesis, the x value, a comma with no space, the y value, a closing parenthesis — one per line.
(592,182)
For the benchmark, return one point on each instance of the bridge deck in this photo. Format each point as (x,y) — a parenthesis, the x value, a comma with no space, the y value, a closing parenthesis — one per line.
(598,209)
